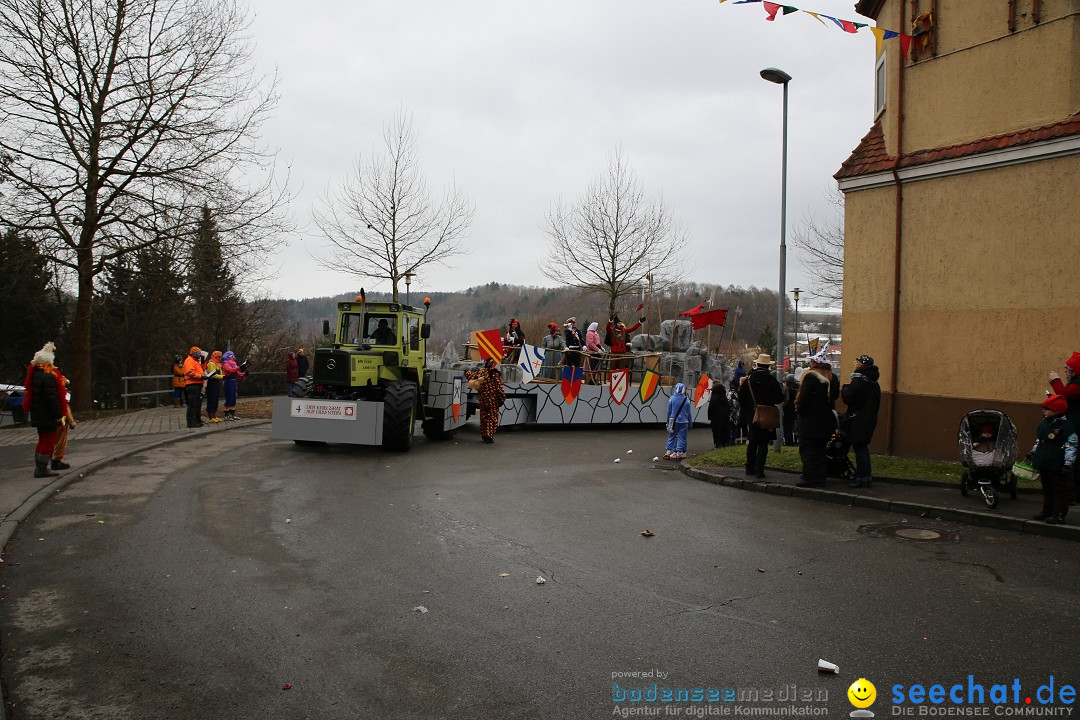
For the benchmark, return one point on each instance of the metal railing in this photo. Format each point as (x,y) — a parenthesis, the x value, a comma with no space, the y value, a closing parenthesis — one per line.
(255,383)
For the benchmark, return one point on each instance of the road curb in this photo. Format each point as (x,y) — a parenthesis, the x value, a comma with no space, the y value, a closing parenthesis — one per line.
(968,517)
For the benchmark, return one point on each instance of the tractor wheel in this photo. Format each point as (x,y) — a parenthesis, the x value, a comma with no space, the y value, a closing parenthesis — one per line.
(433,429)
(399,415)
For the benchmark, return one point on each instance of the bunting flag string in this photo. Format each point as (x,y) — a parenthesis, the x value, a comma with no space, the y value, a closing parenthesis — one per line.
(772,9)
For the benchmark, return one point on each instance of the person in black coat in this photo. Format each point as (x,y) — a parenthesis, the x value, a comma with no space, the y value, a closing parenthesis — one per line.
(43,389)
(791,387)
(863,399)
(720,415)
(818,391)
(759,387)
(301,363)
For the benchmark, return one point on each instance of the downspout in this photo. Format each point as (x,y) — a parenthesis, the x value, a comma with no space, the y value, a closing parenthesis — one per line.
(891,437)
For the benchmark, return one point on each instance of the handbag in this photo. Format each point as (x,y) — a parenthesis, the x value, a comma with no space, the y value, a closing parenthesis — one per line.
(766,417)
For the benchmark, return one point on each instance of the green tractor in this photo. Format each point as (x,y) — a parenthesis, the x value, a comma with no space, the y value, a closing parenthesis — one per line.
(374,377)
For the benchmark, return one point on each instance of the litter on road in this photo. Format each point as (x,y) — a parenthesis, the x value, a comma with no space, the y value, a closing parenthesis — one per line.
(827,667)
(420,609)
(540,580)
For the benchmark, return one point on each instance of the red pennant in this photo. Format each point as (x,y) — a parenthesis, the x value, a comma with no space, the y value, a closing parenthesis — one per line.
(771,9)
(692,311)
(848,26)
(905,43)
(713,317)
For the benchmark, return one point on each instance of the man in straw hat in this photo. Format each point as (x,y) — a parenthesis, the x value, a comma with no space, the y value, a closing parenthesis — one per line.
(758,388)
(818,391)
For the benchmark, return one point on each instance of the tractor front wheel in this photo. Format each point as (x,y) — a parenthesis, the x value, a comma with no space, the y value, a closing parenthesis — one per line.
(399,415)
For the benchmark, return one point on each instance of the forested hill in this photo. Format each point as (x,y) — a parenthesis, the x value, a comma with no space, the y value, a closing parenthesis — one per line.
(454,315)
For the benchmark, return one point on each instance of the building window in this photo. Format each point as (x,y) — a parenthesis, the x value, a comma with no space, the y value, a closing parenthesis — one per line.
(879,85)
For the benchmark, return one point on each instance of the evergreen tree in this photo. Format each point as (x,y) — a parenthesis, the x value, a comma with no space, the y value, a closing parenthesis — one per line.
(31,313)
(213,299)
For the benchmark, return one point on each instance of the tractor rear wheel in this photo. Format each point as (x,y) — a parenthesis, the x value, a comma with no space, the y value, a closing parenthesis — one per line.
(399,415)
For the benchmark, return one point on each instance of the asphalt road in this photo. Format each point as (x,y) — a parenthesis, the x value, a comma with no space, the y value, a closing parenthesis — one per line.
(197,580)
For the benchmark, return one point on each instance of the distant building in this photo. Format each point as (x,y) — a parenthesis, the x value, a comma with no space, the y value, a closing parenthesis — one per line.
(961,212)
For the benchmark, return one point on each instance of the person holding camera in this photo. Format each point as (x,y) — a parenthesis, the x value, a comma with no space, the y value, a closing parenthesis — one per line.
(759,394)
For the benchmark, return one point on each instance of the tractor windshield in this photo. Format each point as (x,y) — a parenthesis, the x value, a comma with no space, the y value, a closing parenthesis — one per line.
(369,329)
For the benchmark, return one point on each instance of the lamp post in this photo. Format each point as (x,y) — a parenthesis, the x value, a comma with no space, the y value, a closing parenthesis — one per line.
(408,282)
(795,294)
(775,75)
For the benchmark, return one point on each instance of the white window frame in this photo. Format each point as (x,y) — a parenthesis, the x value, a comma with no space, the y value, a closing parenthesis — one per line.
(881,88)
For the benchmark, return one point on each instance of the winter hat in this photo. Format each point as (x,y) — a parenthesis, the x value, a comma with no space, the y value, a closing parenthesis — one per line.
(1057,404)
(1073,363)
(593,327)
(822,355)
(865,360)
(552,326)
(216,356)
(571,320)
(46,355)
(680,389)
(194,349)
(986,427)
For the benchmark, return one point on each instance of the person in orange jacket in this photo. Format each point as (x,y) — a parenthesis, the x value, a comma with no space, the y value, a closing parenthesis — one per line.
(194,376)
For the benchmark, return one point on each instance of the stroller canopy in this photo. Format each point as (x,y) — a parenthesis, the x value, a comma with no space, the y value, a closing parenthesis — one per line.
(1004,434)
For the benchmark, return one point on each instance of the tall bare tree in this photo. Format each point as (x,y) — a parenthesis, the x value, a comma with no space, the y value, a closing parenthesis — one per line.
(119,120)
(613,236)
(822,242)
(383,223)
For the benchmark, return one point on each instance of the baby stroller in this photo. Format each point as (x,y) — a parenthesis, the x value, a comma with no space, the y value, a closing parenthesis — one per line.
(987,463)
(837,463)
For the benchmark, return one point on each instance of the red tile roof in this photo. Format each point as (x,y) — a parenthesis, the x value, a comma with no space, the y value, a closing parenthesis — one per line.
(870,156)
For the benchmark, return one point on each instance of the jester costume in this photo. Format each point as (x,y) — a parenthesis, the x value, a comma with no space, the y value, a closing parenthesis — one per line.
(233,373)
(490,398)
(44,390)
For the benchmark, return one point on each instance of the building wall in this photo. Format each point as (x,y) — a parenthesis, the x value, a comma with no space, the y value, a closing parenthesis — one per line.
(984,80)
(990,300)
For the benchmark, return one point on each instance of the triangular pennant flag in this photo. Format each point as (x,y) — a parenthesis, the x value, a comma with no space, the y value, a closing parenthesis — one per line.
(815,16)
(878,33)
(905,43)
(692,311)
(746,2)
(830,17)
(771,9)
(571,383)
(788,9)
(649,383)
(859,25)
(489,342)
(848,26)
(889,35)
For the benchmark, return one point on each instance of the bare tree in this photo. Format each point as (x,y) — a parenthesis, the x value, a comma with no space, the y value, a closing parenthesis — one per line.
(119,120)
(822,242)
(383,223)
(613,236)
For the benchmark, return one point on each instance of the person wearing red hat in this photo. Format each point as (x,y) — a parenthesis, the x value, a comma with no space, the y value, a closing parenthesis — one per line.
(1070,390)
(553,344)
(1054,456)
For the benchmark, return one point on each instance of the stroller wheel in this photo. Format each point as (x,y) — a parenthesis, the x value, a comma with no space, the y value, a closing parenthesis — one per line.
(989,495)
(964,483)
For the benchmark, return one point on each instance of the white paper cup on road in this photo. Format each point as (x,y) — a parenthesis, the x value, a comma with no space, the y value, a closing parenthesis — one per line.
(827,667)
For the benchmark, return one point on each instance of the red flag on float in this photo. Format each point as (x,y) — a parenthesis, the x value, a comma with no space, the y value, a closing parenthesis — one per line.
(703,391)
(692,311)
(713,317)
(489,343)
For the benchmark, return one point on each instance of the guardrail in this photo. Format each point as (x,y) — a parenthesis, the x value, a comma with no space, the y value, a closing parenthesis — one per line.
(253,383)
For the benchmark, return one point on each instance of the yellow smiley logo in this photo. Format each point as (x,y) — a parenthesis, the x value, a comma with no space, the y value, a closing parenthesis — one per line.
(862,693)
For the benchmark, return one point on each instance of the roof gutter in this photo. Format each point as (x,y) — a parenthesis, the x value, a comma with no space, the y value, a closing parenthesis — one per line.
(897,246)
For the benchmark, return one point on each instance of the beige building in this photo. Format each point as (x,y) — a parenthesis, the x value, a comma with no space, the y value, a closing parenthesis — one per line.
(962,215)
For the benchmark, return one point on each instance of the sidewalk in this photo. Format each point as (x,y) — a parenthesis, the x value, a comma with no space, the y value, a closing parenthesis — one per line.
(941,502)
(91,445)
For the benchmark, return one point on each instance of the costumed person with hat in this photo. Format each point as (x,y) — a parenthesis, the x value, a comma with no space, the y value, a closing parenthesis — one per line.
(233,374)
(44,388)
(863,399)
(213,386)
(194,374)
(575,342)
(490,397)
(759,388)
(60,449)
(1070,390)
(818,391)
(512,342)
(553,343)
(301,363)
(679,418)
(1054,456)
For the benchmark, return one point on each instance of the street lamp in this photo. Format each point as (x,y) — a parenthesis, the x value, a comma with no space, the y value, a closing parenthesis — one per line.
(775,75)
(408,282)
(795,294)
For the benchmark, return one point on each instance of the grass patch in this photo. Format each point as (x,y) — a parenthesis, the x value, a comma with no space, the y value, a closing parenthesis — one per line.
(884,465)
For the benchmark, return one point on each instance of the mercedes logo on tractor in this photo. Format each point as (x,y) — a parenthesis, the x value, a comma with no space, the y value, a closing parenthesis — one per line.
(330,364)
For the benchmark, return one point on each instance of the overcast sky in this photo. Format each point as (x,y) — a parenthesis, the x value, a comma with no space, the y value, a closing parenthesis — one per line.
(521,103)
